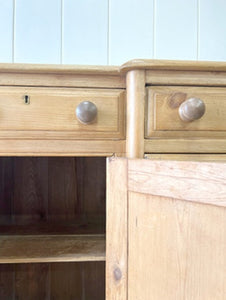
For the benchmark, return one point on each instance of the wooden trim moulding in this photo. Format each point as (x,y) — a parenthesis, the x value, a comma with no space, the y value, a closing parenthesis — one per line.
(185,146)
(183,65)
(61,147)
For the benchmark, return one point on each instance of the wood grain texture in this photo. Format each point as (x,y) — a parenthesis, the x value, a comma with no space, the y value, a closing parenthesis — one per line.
(31,281)
(44,248)
(183,65)
(43,197)
(6,190)
(13,147)
(58,281)
(151,64)
(57,68)
(7,282)
(81,224)
(187,78)
(30,190)
(176,249)
(188,157)
(78,281)
(61,76)
(50,195)
(163,119)
(116,238)
(51,113)
(135,114)
(94,280)
(185,180)
(91,191)
(63,200)
(61,79)
(66,281)
(185,145)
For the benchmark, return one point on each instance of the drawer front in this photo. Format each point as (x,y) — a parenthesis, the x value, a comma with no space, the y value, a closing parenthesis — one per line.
(163,119)
(188,157)
(50,113)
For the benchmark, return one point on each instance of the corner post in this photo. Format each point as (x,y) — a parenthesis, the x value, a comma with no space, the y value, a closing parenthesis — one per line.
(135,84)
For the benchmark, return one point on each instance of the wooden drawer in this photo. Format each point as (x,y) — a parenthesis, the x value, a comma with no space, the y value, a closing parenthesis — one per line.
(51,113)
(188,157)
(163,120)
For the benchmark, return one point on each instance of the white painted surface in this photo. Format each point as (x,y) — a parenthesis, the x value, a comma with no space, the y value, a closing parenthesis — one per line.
(37,31)
(6,30)
(130,30)
(111,31)
(175,29)
(85,32)
(212,30)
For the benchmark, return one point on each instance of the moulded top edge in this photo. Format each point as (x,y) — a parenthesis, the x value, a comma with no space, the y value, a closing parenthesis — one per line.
(54,68)
(178,65)
(135,64)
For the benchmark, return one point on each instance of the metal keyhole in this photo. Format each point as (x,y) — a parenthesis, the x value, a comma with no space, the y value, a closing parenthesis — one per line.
(26,99)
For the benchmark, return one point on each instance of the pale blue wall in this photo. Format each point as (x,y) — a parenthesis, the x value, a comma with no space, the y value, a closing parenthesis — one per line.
(111,31)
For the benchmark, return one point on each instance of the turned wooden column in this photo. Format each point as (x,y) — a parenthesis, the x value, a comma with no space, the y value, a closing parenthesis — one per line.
(135,82)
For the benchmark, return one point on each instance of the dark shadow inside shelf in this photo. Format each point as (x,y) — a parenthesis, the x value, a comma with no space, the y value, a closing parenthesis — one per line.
(52,227)
(79,280)
(52,195)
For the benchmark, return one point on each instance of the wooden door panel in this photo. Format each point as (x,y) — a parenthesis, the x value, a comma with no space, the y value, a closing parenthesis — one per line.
(186,180)
(175,229)
(116,238)
(176,249)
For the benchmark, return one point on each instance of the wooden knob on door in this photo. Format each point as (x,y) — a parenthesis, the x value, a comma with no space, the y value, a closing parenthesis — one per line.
(192,109)
(117,274)
(86,112)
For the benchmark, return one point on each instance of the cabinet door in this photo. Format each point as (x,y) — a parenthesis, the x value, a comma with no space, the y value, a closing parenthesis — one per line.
(166,230)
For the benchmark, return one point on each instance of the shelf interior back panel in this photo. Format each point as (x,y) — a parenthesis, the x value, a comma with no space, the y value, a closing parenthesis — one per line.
(52,195)
(68,280)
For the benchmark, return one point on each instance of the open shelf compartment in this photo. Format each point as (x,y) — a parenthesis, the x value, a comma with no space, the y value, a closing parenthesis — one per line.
(52,227)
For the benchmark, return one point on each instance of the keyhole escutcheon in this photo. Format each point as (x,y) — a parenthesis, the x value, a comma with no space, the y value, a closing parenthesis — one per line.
(26,99)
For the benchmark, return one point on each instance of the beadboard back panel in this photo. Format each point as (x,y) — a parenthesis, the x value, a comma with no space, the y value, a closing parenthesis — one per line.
(111,31)
(6,30)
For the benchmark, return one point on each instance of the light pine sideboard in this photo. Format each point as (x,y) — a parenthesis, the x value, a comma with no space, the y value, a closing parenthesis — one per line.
(148,222)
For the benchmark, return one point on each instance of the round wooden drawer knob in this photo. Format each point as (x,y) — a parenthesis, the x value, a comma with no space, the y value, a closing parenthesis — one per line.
(192,109)
(86,112)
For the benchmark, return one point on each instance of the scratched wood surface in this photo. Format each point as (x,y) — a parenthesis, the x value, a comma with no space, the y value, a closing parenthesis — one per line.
(177,230)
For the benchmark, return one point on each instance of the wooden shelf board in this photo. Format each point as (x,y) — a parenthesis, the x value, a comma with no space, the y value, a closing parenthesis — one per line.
(51,248)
